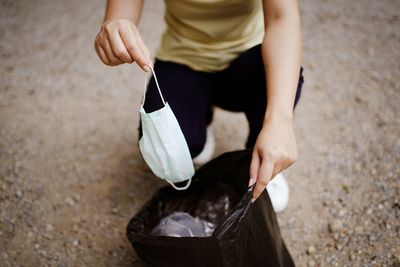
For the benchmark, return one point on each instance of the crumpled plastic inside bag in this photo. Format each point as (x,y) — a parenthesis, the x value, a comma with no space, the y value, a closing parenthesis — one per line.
(182,224)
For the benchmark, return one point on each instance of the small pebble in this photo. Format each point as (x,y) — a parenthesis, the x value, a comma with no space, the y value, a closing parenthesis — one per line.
(326,203)
(311,250)
(342,212)
(346,188)
(43,253)
(114,211)
(336,236)
(77,197)
(47,236)
(49,227)
(335,226)
(69,201)
(311,263)
(75,228)
(18,193)
(359,230)
(352,257)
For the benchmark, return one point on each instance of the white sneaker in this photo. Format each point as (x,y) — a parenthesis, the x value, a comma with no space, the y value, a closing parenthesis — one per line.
(278,191)
(208,150)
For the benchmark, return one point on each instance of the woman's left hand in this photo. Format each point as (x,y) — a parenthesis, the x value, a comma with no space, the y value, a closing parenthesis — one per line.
(274,151)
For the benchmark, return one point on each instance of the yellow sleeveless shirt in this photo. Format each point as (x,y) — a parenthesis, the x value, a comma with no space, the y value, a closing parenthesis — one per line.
(207,35)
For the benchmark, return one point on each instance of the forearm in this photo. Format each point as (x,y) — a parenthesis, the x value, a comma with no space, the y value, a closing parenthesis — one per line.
(124,9)
(281,51)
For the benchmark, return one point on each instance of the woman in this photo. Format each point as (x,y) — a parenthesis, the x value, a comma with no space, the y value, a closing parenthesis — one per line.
(235,54)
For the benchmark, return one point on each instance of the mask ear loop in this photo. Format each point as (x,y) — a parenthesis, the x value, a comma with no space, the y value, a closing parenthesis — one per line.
(158,87)
(181,188)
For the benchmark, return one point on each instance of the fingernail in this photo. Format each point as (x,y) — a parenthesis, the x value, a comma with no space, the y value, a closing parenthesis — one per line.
(252,180)
(146,68)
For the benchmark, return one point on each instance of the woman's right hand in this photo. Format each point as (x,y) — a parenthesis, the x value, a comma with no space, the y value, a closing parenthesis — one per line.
(119,42)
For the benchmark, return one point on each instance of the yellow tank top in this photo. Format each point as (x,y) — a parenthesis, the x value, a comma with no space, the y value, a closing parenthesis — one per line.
(207,35)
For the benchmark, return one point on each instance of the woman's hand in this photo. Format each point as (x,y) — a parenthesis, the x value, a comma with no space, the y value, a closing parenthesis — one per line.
(119,42)
(274,151)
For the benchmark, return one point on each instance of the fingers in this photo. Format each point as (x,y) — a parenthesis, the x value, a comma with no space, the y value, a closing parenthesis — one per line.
(132,45)
(145,51)
(263,177)
(265,172)
(254,166)
(119,49)
(119,42)
(112,59)
(101,53)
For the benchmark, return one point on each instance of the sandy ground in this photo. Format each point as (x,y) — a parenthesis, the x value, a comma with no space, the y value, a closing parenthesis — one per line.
(71,175)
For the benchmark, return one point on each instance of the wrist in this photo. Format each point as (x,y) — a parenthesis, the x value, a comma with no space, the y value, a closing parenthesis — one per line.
(106,21)
(281,116)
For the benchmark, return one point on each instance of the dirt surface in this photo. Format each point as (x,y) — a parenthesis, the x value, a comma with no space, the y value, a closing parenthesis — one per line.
(71,175)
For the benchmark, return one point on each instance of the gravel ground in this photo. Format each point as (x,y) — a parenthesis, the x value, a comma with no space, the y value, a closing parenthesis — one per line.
(71,175)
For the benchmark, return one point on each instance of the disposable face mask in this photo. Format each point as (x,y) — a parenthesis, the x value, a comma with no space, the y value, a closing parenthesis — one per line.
(163,145)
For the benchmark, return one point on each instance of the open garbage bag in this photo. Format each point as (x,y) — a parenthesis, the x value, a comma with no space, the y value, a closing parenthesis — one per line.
(246,234)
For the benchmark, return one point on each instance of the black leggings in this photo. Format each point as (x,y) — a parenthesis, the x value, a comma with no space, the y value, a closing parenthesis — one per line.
(191,95)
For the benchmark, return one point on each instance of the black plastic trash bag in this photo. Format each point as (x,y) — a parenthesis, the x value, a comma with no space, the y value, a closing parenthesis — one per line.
(247,234)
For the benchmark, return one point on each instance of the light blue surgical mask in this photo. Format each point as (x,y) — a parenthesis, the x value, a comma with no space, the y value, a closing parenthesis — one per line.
(163,145)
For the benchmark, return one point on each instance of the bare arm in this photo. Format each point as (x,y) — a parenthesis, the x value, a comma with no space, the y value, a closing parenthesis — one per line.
(124,9)
(119,40)
(281,55)
(275,148)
